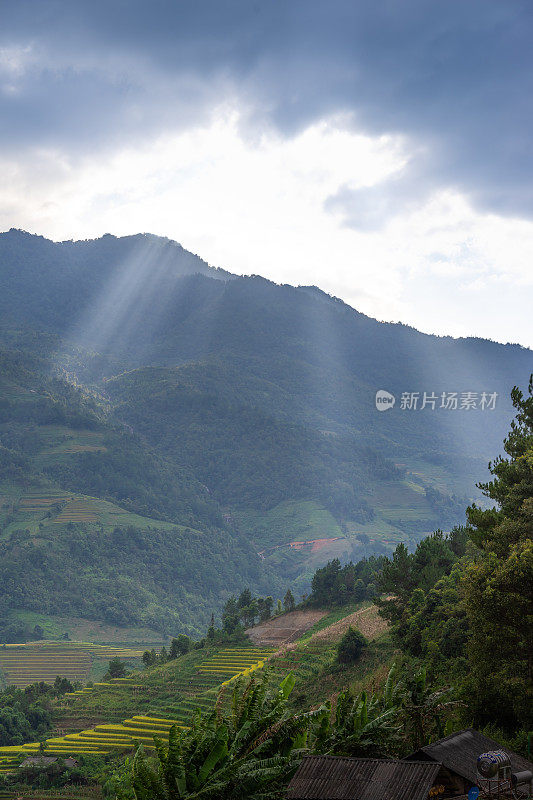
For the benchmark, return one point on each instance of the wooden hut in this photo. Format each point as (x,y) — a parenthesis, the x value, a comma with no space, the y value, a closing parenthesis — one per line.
(458,754)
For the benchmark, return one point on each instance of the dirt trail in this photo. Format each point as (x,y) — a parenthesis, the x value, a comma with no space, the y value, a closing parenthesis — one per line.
(285,629)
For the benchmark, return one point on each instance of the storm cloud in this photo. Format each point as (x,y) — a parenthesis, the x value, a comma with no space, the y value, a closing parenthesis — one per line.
(454,78)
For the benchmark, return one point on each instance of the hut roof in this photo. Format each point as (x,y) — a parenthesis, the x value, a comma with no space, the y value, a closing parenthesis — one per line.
(45,761)
(459,752)
(334,778)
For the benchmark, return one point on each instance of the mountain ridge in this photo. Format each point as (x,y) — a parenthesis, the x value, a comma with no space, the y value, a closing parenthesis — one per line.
(204,268)
(242,408)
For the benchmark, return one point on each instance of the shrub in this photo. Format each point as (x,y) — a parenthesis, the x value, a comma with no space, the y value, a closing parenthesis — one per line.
(117,668)
(351,646)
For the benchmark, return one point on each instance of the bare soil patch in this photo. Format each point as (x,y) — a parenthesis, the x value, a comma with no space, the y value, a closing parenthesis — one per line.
(367,620)
(285,629)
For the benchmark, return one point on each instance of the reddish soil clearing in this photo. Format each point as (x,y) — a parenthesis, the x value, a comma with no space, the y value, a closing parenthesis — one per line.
(284,629)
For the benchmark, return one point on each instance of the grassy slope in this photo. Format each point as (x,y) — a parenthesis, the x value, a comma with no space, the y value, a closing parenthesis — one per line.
(313,657)
(56,448)
(295,537)
(88,630)
(400,507)
(151,699)
(37,507)
(176,688)
(40,508)
(301,521)
(288,521)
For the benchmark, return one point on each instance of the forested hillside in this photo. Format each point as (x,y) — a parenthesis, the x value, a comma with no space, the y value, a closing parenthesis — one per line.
(96,525)
(217,430)
(463,604)
(384,656)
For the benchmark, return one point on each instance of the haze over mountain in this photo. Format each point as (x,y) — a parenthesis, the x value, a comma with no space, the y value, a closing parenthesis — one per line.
(227,417)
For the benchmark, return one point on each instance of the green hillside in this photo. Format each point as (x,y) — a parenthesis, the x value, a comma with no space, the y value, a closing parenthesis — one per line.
(94,525)
(109,717)
(129,710)
(207,431)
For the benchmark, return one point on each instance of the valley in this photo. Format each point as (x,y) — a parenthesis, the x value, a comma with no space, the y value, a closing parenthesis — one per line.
(222,429)
(266,400)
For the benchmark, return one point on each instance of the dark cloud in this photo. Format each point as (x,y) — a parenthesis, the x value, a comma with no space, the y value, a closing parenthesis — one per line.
(455,77)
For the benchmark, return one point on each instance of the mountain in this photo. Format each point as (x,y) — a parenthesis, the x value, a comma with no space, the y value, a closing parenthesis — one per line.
(225,410)
(95,525)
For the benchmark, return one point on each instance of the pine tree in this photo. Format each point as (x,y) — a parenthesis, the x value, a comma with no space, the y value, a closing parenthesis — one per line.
(498,584)
(397,581)
(288,601)
(245,598)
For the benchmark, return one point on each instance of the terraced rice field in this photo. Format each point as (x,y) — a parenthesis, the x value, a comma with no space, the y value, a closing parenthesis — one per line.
(41,502)
(58,440)
(307,663)
(78,511)
(100,740)
(21,669)
(82,442)
(9,763)
(22,664)
(199,684)
(234,661)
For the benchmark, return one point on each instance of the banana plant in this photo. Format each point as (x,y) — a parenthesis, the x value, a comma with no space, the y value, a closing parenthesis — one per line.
(363,724)
(251,751)
(425,709)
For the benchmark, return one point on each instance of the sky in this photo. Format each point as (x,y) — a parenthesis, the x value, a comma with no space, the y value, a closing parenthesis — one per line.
(382,151)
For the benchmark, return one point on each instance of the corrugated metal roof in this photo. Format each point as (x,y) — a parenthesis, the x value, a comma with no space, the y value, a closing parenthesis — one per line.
(336,778)
(43,761)
(459,751)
